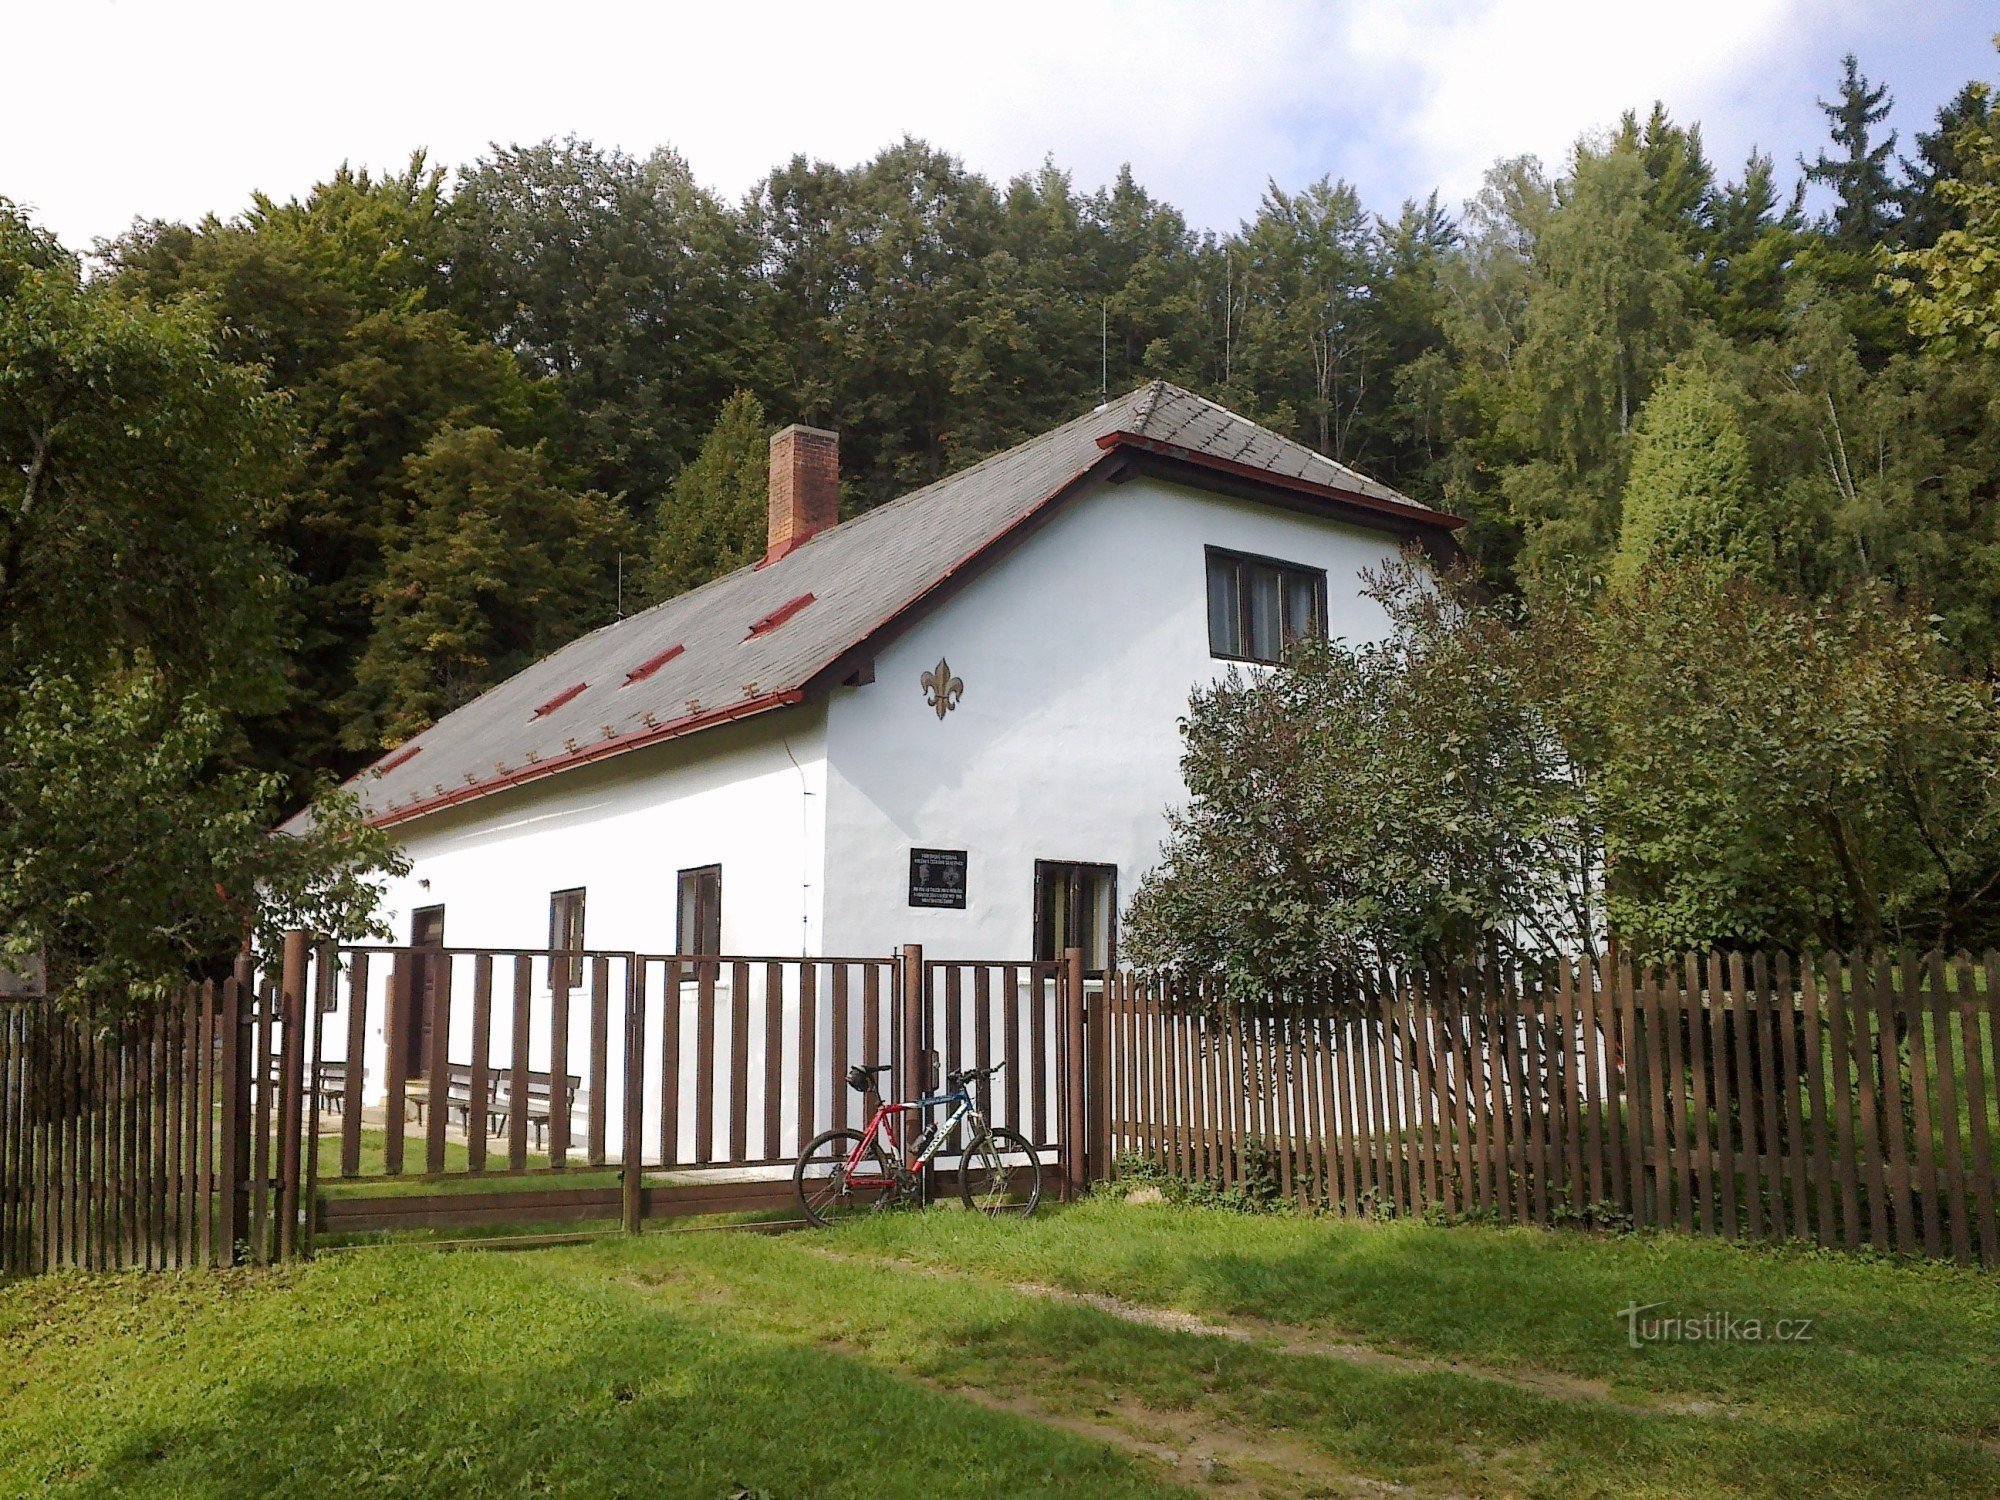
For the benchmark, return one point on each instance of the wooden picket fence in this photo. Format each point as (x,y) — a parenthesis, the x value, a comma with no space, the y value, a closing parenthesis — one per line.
(1847,1101)
(158,1143)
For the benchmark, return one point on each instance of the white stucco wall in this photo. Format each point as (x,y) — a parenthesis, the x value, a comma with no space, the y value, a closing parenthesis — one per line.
(748,796)
(1078,652)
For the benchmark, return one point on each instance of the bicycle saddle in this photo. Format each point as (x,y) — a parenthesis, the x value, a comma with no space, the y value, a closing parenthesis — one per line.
(862,1079)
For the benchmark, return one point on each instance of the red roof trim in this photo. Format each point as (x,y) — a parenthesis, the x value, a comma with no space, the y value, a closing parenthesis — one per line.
(559,700)
(778,616)
(1402,510)
(585,753)
(653,664)
(401,758)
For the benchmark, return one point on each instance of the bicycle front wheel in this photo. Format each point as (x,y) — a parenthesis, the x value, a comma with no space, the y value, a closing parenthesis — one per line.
(829,1189)
(1000,1174)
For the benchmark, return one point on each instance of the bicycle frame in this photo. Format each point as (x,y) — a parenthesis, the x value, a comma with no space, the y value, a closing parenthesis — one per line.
(879,1127)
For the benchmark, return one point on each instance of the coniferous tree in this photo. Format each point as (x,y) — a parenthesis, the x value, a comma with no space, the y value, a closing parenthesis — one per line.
(713,520)
(1867,208)
(1691,495)
(497,565)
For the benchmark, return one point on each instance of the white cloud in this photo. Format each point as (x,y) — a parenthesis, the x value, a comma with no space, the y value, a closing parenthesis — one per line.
(121,109)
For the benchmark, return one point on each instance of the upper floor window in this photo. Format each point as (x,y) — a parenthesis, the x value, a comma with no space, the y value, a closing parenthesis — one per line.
(1257,605)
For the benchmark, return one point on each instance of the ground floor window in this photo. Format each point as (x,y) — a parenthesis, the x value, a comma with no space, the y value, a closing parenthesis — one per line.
(699,930)
(566,936)
(1076,906)
(426,931)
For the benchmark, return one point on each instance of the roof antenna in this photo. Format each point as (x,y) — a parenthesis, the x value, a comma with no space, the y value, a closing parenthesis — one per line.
(1103,355)
(621,583)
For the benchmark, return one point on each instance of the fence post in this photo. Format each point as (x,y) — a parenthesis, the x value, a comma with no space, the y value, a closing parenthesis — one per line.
(911,1085)
(291,1091)
(1076,1120)
(635,1095)
(239,1002)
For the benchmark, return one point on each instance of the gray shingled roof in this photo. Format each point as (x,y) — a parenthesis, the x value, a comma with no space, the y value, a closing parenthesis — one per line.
(861,575)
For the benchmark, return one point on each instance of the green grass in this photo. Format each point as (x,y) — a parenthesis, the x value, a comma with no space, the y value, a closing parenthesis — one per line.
(372,1180)
(921,1355)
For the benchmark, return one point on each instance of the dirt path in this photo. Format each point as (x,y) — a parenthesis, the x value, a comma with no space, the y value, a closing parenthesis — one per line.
(1290,1339)
(1211,1457)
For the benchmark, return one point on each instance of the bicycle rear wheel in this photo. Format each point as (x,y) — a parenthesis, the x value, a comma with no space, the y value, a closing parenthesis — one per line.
(1000,1174)
(829,1191)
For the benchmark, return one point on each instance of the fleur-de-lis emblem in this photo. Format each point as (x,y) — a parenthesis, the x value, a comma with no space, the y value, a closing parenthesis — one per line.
(942,690)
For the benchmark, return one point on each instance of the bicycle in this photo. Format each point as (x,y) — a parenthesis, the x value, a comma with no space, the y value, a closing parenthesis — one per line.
(846,1172)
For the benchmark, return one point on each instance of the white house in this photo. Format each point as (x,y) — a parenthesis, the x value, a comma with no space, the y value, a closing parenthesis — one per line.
(951,720)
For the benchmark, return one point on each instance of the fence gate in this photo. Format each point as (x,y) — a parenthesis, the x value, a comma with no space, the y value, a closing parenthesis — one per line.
(461,1091)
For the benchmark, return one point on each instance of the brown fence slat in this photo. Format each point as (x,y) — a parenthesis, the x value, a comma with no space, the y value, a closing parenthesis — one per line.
(837,1028)
(1889,1095)
(1923,1142)
(1979,1085)
(1847,1092)
(519,1034)
(1792,1082)
(479,1088)
(774,1054)
(1859,995)
(739,1053)
(704,1061)
(596,1117)
(563,973)
(1818,1102)
(1942,1012)
(402,995)
(357,1053)
(1740,1100)
(437,1062)
(809,1053)
(671,1020)
(1440,1181)
(204,1127)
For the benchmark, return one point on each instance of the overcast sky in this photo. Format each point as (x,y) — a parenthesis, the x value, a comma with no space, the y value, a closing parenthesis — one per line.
(113,109)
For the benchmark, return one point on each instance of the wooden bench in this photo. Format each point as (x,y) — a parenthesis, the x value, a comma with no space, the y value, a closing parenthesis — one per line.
(418,1094)
(539,1107)
(330,1085)
(498,1104)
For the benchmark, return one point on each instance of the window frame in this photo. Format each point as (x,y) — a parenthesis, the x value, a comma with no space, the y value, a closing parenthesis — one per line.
(566,972)
(697,873)
(1284,570)
(1046,867)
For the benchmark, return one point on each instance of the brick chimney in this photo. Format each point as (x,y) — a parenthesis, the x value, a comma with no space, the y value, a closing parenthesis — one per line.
(805,487)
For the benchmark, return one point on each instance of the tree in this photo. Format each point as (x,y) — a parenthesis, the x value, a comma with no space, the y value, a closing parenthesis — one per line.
(1866,212)
(1309,330)
(1951,289)
(1776,771)
(714,520)
(625,283)
(1691,493)
(340,300)
(1414,799)
(1606,312)
(1945,154)
(133,854)
(498,564)
(139,613)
